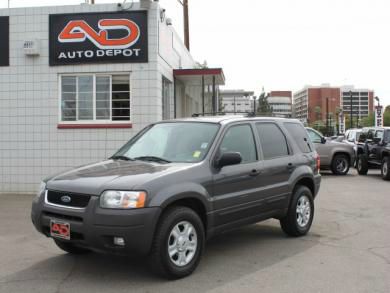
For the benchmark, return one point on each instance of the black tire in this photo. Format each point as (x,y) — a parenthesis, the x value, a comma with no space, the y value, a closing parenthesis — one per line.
(385,168)
(362,165)
(70,248)
(289,223)
(340,159)
(159,259)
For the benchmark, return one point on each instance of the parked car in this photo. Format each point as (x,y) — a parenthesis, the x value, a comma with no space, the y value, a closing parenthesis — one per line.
(351,137)
(336,156)
(179,182)
(373,151)
(338,138)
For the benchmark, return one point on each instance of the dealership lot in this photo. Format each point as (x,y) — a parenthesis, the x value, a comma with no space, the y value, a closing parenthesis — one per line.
(347,250)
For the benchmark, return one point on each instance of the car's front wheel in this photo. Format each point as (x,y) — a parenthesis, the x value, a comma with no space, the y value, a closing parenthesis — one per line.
(70,248)
(178,243)
(340,164)
(385,168)
(300,214)
(362,165)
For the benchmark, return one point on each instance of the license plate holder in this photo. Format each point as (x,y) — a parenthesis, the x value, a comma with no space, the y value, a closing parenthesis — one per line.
(60,229)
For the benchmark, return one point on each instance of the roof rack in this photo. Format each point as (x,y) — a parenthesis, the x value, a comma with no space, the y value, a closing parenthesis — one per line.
(248,114)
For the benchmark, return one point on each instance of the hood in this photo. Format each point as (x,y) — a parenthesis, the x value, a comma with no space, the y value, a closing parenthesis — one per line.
(118,175)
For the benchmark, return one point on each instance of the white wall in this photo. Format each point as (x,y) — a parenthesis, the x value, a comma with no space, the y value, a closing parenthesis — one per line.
(31,146)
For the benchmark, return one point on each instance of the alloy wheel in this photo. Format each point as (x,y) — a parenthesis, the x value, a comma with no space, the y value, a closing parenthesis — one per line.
(303,211)
(182,243)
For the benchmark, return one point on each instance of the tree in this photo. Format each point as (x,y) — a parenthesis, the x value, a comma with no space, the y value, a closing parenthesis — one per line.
(264,107)
(317,110)
(386,116)
(368,121)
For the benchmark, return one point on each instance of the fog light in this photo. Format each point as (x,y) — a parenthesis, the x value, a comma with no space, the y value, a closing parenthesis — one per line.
(119,241)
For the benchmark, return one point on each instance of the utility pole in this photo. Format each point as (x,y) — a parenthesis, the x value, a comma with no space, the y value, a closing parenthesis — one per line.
(327,116)
(254,106)
(186,25)
(350,111)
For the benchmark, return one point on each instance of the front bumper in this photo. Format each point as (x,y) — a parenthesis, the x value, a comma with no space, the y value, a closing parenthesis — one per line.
(94,228)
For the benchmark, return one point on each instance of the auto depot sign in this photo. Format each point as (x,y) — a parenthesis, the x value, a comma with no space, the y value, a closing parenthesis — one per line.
(4,44)
(98,37)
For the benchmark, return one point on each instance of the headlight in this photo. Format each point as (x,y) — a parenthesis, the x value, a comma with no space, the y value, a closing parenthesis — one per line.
(42,188)
(112,199)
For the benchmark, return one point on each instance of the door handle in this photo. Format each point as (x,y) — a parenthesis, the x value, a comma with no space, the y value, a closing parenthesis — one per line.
(254,172)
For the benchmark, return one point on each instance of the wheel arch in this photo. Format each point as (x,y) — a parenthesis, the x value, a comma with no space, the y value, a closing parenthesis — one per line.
(305,181)
(190,200)
(342,152)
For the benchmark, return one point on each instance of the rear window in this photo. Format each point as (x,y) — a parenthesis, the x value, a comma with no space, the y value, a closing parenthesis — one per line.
(299,134)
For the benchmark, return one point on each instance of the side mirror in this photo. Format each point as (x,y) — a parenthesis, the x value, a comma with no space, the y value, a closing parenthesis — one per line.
(323,140)
(227,159)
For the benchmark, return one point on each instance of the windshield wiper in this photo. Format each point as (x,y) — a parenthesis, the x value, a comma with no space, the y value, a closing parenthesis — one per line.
(124,158)
(152,159)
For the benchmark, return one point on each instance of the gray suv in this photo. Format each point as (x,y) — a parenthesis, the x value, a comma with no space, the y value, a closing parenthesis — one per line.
(177,183)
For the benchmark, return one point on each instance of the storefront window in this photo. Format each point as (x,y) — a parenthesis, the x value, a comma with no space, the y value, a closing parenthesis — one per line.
(95,98)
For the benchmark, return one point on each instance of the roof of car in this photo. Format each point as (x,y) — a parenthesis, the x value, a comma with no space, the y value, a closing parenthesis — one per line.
(375,128)
(224,119)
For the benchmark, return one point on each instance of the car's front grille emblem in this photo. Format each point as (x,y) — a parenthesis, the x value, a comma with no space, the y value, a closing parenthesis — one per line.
(66,199)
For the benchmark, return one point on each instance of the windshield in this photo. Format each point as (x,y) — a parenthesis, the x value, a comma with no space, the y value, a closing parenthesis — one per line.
(173,141)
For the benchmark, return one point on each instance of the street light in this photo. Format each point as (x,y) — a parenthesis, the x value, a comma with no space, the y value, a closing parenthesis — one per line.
(350,110)
(254,105)
(377,99)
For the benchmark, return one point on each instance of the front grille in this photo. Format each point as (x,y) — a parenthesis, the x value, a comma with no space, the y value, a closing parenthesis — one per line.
(68,199)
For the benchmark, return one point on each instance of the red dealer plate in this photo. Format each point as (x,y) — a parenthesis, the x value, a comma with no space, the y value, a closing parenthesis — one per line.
(60,229)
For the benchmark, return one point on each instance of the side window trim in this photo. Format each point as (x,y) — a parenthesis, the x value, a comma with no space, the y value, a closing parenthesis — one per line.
(289,150)
(216,152)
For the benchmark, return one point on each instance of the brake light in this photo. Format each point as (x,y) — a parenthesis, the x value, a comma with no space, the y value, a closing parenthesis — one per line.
(318,162)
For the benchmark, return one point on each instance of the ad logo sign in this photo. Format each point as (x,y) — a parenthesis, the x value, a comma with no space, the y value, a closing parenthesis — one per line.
(4,44)
(96,37)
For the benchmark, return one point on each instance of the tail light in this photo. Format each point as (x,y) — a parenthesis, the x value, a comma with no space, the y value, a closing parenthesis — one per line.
(318,162)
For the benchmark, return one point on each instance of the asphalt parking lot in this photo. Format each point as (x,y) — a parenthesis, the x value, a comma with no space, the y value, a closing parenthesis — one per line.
(347,250)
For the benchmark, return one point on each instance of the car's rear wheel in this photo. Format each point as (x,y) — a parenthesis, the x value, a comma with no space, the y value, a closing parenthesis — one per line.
(300,214)
(70,248)
(385,168)
(362,165)
(178,243)
(340,164)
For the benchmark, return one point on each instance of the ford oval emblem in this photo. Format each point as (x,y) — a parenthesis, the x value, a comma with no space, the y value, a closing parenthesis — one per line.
(66,199)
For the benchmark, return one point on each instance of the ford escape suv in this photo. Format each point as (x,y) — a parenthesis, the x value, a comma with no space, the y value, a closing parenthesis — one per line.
(177,183)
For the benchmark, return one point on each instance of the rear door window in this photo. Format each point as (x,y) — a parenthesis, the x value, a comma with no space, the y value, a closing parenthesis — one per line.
(272,140)
(300,136)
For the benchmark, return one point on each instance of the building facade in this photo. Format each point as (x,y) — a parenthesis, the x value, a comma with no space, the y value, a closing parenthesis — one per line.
(77,82)
(236,101)
(312,103)
(281,103)
(362,102)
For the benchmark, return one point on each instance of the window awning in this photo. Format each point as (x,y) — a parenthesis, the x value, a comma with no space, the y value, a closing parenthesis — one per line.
(194,75)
